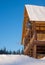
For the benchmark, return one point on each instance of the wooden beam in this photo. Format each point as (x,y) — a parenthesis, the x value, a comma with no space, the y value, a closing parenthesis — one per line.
(41,31)
(34,30)
(34,51)
(39,42)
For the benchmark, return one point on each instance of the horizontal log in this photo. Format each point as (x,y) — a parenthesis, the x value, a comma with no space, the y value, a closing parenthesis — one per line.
(38,42)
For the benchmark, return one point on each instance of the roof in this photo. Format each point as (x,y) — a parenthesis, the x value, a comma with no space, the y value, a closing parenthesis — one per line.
(36,13)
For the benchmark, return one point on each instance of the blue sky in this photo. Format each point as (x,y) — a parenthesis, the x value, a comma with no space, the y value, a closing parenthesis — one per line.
(11,20)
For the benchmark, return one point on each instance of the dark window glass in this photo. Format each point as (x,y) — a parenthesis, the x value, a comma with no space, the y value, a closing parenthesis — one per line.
(29,25)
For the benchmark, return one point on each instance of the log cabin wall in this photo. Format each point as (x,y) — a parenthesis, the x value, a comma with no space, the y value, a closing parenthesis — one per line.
(40,27)
(35,51)
(39,49)
(24,25)
(36,32)
(27,34)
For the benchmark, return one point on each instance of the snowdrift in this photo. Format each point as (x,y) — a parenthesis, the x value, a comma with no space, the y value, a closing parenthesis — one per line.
(20,60)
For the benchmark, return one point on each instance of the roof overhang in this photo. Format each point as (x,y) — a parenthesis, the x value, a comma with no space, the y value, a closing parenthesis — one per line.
(36,13)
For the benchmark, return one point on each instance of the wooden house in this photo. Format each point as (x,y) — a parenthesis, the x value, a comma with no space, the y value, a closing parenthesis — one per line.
(33,34)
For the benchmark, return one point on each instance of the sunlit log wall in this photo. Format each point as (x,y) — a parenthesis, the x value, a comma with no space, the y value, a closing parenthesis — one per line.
(33,38)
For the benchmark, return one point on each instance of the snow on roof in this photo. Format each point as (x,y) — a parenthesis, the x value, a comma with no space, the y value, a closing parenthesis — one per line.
(36,13)
(20,60)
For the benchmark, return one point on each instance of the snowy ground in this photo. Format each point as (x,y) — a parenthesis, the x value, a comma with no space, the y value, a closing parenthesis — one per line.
(20,60)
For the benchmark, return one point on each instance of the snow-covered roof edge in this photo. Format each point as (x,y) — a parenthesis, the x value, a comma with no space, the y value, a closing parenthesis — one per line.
(36,12)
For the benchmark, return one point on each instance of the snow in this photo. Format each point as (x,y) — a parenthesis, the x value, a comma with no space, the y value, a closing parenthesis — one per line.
(43,58)
(20,60)
(36,13)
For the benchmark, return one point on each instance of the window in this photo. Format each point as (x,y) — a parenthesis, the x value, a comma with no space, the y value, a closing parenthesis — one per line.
(29,25)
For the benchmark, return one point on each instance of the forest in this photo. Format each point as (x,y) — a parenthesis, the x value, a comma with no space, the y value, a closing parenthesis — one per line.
(5,51)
